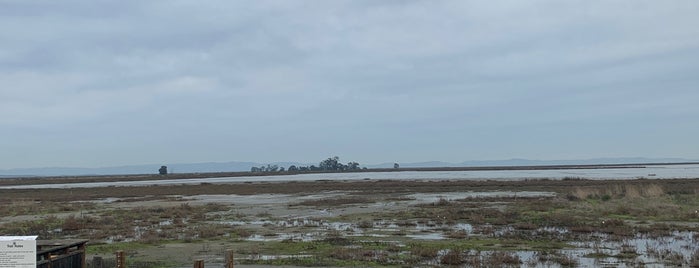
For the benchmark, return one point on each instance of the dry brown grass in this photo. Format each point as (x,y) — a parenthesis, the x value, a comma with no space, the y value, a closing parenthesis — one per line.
(123,223)
(457,235)
(453,257)
(625,190)
(694,259)
(502,259)
(423,252)
(31,207)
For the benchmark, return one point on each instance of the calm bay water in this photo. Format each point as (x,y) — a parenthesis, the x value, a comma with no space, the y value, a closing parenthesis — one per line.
(661,172)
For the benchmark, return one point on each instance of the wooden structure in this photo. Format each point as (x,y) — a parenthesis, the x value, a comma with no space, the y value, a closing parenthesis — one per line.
(120,259)
(60,253)
(230,258)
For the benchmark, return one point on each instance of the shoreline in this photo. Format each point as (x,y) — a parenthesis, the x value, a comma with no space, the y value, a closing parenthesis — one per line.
(12,181)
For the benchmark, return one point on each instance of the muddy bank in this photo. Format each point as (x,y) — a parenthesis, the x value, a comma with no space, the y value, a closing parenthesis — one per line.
(367,187)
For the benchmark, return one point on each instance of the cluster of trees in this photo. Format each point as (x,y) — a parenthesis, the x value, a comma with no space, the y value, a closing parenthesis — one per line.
(330,164)
(268,168)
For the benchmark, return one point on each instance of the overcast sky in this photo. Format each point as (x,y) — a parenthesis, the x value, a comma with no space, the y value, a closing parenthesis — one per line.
(104,83)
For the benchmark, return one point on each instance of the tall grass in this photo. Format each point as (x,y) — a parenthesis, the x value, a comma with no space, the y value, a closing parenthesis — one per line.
(618,191)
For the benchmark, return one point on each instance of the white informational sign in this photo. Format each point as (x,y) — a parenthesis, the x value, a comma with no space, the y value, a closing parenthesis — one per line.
(18,251)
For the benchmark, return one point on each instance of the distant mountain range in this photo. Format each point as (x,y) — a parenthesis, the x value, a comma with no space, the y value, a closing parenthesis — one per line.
(528,162)
(245,166)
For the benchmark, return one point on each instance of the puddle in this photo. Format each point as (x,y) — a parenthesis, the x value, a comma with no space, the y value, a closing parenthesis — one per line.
(427,236)
(277,257)
(463,227)
(107,200)
(305,237)
(588,250)
(644,249)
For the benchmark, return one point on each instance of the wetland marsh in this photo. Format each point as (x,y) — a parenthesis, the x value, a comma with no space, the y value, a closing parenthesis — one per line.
(572,222)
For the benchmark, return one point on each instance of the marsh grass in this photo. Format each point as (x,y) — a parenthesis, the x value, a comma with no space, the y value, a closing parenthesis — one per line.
(452,257)
(627,251)
(423,251)
(627,190)
(330,202)
(502,259)
(616,211)
(30,207)
(457,234)
(694,259)
(153,223)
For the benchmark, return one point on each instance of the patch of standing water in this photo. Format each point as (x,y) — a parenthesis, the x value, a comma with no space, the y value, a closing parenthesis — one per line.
(304,237)
(553,230)
(464,227)
(677,247)
(658,171)
(277,257)
(427,236)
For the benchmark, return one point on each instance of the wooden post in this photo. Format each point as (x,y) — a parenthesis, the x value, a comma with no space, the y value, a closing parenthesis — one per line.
(120,259)
(199,264)
(229,258)
(51,258)
(83,252)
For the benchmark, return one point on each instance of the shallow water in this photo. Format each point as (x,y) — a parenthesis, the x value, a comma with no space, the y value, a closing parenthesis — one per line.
(660,172)
(649,251)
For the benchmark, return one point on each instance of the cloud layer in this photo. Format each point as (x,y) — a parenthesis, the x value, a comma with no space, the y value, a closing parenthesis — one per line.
(96,83)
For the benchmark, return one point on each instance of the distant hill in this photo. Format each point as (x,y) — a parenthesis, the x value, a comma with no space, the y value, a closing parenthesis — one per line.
(139,169)
(527,162)
(245,166)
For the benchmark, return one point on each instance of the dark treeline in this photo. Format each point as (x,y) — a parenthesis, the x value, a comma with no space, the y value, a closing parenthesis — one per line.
(330,164)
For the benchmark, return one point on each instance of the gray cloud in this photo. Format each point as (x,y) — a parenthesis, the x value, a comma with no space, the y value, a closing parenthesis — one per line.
(88,83)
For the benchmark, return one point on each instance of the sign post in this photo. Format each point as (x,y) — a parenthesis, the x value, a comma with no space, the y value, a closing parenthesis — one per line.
(18,251)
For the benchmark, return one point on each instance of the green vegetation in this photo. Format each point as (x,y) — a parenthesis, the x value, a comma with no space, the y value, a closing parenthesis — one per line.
(330,164)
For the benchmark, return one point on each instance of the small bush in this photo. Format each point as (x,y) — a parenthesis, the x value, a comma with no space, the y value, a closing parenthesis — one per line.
(453,257)
(423,252)
(365,224)
(502,258)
